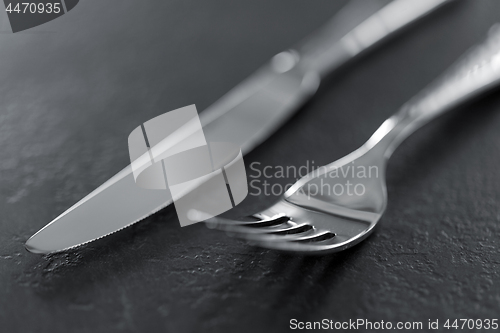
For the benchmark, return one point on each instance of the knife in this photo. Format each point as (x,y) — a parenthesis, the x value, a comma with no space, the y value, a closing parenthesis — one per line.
(247,115)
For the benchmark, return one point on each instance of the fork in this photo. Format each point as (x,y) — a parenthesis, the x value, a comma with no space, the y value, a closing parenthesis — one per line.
(338,206)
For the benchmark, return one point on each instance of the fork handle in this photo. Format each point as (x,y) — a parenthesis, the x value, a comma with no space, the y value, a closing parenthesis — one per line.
(476,72)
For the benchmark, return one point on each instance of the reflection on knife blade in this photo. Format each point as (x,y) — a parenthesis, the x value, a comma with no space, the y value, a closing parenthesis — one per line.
(246,115)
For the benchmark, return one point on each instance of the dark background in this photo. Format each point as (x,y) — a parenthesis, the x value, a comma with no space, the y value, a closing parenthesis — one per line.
(73,89)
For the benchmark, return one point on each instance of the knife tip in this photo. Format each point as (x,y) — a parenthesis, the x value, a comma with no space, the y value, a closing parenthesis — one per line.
(33,248)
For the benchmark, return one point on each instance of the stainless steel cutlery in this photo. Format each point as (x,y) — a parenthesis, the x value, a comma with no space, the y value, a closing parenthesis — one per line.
(245,116)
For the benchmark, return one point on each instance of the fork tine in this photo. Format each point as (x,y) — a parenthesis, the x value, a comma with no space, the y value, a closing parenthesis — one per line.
(310,235)
(291,232)
(299,228)
(318,237)
(218,222)
(283,229)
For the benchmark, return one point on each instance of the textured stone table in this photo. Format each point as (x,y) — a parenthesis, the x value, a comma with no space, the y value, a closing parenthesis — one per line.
(73,89)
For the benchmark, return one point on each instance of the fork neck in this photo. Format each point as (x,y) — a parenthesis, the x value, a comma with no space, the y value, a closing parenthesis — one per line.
(394,131)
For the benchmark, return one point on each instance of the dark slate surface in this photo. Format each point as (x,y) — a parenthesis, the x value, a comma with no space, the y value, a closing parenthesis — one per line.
(74,88)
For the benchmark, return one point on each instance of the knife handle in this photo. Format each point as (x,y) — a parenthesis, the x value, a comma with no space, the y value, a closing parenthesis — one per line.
(357,27)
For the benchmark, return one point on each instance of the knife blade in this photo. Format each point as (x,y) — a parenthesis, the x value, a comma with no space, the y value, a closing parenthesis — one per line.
(247,115)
